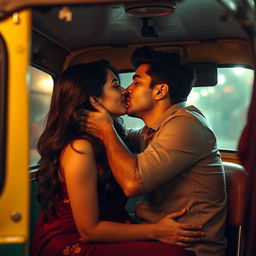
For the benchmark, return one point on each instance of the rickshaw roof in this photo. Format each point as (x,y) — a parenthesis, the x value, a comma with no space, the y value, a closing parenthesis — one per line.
(107,22)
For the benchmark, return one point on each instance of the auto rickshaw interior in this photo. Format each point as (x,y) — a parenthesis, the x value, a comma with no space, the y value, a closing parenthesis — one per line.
(203,32)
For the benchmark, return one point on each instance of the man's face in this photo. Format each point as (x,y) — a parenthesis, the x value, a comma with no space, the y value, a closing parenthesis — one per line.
(140,100)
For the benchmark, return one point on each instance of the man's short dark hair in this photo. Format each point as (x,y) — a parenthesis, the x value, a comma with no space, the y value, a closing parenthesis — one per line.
(166,67)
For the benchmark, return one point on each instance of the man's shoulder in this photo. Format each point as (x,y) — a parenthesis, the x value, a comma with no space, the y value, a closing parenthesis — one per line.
(188,112)
(187,119)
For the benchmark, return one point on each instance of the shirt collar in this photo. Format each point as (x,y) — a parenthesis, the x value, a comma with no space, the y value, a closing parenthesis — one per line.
(170,111)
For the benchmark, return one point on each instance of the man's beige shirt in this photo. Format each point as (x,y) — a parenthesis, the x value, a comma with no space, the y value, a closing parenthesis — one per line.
(180,167)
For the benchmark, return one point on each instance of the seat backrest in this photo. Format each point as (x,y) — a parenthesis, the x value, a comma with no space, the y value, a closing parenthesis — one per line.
(236,180)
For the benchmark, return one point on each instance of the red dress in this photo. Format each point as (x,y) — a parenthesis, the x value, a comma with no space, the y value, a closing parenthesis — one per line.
(59,236)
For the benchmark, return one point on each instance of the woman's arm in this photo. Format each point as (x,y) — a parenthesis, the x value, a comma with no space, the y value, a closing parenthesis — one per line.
(80,172)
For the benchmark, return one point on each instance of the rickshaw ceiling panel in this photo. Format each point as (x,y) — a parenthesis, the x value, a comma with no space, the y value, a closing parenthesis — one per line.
(79,26)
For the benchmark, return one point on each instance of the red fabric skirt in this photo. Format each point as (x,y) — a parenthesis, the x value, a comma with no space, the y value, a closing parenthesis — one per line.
(58,236)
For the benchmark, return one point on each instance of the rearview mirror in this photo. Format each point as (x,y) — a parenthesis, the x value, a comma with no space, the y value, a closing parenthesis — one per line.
(206,73)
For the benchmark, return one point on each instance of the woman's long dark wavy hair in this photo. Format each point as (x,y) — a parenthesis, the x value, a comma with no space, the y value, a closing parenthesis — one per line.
(70,97)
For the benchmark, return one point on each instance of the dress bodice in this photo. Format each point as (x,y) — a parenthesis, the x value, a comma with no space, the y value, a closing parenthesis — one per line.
(59,231)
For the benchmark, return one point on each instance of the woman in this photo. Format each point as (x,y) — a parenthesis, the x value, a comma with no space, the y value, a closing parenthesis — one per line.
(82,207)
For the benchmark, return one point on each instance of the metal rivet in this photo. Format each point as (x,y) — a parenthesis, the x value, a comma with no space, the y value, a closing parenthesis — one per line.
(16,18)
(16,216)
(65,14)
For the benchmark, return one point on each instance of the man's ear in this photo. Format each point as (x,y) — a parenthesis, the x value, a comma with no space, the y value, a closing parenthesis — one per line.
(161,91)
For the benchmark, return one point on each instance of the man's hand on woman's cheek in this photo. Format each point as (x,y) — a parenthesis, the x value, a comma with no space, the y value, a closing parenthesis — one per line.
(99,122)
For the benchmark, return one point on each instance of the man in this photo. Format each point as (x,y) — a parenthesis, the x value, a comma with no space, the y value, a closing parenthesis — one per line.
(178,165)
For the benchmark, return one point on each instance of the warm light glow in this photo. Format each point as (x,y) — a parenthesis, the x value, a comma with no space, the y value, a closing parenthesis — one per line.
(228,89)
(46,84)
(211,90)
(204,92)
(194,96)
(39,81)
(221,79)
(239,71)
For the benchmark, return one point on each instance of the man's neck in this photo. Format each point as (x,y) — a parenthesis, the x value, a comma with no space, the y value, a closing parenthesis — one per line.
(155,114)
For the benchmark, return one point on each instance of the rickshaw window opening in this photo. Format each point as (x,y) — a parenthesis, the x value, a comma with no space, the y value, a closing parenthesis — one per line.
(225,105)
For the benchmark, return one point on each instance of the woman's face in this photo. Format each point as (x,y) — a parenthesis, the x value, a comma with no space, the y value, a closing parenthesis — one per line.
(114,96)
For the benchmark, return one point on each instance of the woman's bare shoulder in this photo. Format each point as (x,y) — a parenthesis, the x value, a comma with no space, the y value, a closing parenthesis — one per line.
(81,146)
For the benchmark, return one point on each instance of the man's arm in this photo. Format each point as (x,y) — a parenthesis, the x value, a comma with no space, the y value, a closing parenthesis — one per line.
(122,161)
(180,143)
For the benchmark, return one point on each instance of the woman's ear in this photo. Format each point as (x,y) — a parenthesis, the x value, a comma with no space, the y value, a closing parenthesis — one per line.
(161,91)
(98,99)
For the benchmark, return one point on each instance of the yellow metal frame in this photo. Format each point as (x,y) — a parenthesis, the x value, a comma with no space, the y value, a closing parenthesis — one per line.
(14,199)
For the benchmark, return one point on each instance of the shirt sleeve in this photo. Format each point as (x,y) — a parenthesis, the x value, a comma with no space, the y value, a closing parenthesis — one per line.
(179,144)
